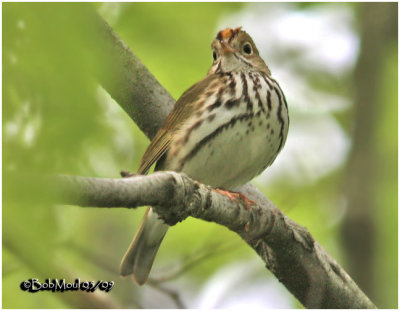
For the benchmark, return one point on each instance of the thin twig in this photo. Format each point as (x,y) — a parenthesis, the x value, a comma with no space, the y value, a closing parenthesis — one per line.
(192,260)
(169,292)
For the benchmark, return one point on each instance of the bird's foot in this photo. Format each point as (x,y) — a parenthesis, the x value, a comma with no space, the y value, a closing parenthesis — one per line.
(233,196)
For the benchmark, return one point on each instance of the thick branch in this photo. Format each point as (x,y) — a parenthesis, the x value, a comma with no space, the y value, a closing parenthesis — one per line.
(287,249)
(129,82)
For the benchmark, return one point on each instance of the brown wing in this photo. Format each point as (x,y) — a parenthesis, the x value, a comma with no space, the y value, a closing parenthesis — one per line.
(181,111)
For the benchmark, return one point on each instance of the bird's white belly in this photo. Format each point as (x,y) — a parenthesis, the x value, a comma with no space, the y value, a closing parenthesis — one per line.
(236,155)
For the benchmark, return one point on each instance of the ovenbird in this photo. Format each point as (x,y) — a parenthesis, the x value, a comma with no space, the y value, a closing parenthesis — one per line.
(223,131)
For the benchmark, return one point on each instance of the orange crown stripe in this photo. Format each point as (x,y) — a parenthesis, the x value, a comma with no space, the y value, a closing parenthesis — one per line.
(228,33)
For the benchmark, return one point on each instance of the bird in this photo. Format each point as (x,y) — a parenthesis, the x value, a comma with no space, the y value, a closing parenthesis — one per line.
(223,131)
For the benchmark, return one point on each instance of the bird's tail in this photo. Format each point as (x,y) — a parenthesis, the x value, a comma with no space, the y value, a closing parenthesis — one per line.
(140,255)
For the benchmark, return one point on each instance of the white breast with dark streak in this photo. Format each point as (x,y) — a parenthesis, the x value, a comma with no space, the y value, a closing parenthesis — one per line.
(231,143)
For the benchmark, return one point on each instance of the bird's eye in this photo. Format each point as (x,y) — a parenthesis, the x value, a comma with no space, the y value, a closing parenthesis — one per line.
(247,48)
(214,56)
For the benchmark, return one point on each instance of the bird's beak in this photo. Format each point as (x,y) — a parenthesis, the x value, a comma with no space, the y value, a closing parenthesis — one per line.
(226,48)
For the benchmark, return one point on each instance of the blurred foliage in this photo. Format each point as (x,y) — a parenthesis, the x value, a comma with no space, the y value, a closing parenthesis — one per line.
(57,119)
(386,254)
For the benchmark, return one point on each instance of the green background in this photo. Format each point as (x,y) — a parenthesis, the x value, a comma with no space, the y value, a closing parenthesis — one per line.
(57,119)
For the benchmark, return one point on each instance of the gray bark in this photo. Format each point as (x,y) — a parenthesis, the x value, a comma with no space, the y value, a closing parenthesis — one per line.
(288,249)
(129,82)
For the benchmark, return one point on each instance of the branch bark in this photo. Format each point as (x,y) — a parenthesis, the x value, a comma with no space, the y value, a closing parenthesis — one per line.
(129,82)
(288,249)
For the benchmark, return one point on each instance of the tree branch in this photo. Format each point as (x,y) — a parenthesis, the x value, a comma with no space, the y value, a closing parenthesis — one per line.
(129,82)
(288,249)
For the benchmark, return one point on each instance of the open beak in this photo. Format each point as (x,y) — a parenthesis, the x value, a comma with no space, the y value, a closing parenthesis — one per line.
(226,48)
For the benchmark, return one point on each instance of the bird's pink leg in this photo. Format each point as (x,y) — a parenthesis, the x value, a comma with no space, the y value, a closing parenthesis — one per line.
(235,196)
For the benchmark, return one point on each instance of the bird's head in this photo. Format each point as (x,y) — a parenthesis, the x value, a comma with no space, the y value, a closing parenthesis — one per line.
(233,50)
